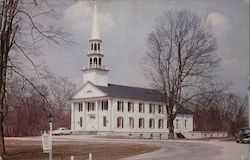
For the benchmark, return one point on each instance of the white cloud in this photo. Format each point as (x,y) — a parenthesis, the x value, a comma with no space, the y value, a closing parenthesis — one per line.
(79,17)
(220,23)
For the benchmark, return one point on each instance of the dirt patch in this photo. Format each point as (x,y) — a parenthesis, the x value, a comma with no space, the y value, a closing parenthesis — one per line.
(32,150)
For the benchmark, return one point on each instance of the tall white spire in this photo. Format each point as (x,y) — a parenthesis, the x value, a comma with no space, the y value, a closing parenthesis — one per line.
(95,26)
(95,72)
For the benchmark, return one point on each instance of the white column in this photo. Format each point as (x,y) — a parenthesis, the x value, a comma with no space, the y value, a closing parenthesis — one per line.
(72,116)
(97,114)
(84,116)
(111,111)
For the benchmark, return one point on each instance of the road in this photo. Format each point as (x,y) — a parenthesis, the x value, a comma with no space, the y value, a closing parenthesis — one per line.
(172,149)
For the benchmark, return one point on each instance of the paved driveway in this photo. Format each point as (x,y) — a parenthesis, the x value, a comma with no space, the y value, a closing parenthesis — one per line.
(173,149)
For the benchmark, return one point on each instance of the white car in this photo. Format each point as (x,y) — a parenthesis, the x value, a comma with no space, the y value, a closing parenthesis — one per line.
(61,131)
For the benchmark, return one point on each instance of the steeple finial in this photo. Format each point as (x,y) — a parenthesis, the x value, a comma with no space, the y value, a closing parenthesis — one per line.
(95,26)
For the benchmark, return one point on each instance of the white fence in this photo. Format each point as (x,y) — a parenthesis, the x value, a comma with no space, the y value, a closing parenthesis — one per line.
(90,157)
(203,134)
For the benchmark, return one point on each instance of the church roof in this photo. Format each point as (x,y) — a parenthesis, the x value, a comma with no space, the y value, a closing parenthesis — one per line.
(143,94)
(128,92)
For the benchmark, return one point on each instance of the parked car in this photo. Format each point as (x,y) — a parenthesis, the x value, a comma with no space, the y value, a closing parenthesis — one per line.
(61,131)
(243,136)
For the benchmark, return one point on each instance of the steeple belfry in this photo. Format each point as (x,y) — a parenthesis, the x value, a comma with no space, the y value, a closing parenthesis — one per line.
(95,72)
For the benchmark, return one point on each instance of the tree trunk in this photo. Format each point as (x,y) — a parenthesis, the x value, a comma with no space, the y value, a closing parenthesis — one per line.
(2,145)
(170,128)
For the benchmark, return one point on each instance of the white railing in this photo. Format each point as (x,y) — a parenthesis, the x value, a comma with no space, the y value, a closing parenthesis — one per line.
(95,52)
(96,66)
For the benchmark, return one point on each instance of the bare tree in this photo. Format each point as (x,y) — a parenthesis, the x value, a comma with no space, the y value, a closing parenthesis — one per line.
(237,110)
(27,111)
(220,112)
(181,59)
(20,33)
(61,90)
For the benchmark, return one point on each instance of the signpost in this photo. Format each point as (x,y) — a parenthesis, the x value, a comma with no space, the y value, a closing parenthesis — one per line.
(47,138)
(46,142)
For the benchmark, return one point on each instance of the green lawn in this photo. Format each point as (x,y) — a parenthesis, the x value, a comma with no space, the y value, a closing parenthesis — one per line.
(32,150)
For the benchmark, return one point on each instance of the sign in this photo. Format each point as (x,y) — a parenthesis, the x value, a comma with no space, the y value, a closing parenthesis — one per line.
(46,140)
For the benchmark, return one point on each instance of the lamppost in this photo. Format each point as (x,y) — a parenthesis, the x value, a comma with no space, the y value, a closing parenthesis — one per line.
(50,117)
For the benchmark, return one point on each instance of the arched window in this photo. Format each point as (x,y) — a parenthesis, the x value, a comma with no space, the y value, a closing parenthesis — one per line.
(131,122)
(100,61)
(141,123)
(119,122)
(160,123)
(90,61)
(95,60)
(99,46)
(151,123)
(91,46)
(95,47)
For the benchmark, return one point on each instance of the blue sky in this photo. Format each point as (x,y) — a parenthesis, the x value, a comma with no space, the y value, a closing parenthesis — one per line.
(125,25)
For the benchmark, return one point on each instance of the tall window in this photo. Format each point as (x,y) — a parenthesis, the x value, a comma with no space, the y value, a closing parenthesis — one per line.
(100,61)
(99,46)
(160,109)
(119,122)
(120,106)
(104,121)
(141,123)
(90,61)
(141,107)
(151,123)
(80,107)
(130,107)
(177,123)
(91,106)
(80,122)
(95,60)
(185,123)
(104,105)
(151,108)
(95,47)
(160,123)
(131,122)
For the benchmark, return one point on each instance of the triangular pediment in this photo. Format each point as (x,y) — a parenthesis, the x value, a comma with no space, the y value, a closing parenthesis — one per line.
(88,90)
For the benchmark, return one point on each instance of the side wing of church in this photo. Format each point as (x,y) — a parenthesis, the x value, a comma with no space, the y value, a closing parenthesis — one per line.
(112,109)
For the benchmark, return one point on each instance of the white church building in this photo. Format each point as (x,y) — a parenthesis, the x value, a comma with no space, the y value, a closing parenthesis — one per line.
(110,109)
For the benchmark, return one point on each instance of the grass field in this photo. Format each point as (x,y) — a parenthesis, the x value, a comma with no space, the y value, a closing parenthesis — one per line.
(32,150)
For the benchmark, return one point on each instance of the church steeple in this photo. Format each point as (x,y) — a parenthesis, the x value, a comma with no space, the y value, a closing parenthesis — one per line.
(95,26)
(95,72)
(95,55)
